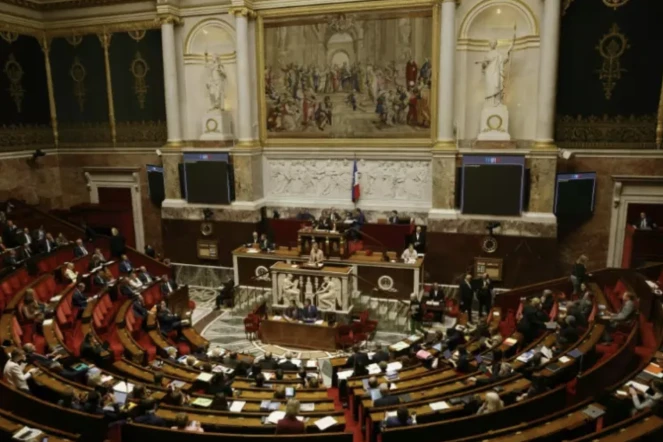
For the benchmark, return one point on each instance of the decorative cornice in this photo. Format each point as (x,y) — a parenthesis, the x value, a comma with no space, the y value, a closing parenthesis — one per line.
(242,11)
(65,4)
(168,19)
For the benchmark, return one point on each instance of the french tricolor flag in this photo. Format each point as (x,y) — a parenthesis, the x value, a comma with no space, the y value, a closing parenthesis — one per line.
(356,192)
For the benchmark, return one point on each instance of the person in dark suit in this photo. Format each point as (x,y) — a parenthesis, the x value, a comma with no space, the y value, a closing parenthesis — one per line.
(463,363)
(144,276)
(125,265)
(268,362)
(402,419)
(567,334)
(359,218)
(381,355)
(138,307)
(325,221)
(38,234)
(78,299)
(533,320)
(148,409)
(167,286)
(485,294)
(149,251)
(99,279)
(79,249)
(386,400)
(47,244)
(435,293)
(25,238)
(309,311)
(466,296)
(547,301)
(644,222)
(10,259)
(288,365)
(25,252)
(358,357)
(118,243)
(419,240)
(292,312)
(167,320)
(125,288)
(9,234)
(264,244)
(393,218)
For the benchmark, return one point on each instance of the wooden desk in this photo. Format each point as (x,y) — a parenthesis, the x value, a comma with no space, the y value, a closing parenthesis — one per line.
(332,243)
(10,424)
(298,335)
(178,301)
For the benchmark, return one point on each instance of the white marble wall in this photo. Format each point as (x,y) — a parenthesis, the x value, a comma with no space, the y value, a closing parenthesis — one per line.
(325,182)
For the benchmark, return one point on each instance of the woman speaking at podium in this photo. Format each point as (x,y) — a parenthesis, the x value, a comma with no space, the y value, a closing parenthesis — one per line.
(317,257)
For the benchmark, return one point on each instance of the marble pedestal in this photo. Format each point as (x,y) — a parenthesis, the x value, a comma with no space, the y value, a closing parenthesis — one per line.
(494,124)
(217,125)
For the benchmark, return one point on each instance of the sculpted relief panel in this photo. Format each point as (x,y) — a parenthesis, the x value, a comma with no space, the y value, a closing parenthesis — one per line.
(321,182)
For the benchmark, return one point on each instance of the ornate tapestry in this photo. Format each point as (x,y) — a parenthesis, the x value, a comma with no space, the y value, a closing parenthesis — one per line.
(359,75)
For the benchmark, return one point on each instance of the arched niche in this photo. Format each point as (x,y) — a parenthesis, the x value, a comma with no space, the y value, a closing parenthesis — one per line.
(498,16)
(341,48)
(212,36)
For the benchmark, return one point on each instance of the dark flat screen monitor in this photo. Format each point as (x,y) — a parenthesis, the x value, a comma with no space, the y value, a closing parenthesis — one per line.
(206,178)
(493,185)
(155,184)
(575,194)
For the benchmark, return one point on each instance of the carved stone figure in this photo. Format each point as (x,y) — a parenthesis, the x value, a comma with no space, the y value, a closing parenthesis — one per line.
(328,294)
(289,290)
(493,67)
(216,83)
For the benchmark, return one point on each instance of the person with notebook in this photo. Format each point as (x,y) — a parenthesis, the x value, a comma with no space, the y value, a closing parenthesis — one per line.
(386,399)
(649,399)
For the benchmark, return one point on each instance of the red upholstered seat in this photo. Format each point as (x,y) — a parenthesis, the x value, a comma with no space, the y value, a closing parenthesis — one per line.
(344,337)
(251,325)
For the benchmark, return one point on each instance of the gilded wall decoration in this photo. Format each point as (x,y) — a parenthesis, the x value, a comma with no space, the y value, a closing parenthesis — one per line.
(85,133)
(74,39)
(25,135)
(614,4)
(355,75)
(137,34)
(78,74)
(14,73)
(9,36)
(606,132)
(147,133)
(139,70)
(611,47)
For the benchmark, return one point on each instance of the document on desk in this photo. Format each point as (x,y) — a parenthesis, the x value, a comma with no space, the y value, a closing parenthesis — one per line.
(275,416)
(307,407)
(311,363)
(400,346)
(437,406)
(564,359)
(394,366)
(123,387)
(27,434)
(638,386)
(267,375)
(237,406)
(276,318)
(413,338)
(344,374)
(319,322)
(654,370)
(373,369)
(390,414)
(205,377)
(202,402)
(325,423)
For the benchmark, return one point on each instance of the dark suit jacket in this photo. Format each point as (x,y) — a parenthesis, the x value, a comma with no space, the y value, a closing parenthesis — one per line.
(79,251)
(360,358)
(380,356)
(139,310)
(419,243)
(22,239)
(269,364)
(126,266)
(292,313)
(25,253)
(78,299)
(167,321)
(532,322)
(150,419)
(99,280)
(126,290)
(44,245)
(290,426)
(11,261)
(264,244)
(393,219)
(310,312)
(436,295)
(386,401)
(165,285)
(117,245)
(143,277)
(466,292)
(288,366)
(484,291)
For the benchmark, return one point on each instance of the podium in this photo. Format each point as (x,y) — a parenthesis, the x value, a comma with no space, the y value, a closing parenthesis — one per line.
(327,287)
(331,243)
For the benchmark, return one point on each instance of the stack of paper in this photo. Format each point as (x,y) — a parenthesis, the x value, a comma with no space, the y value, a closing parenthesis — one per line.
(373,369)
(526,356)
(123,387)
(564,359)
(275,416)
(205,377)
(237,406)
(638,386)
(394,366)
(276,318)
(437,406)
(654,370)
(202,402)
(319,322)
(325,423)
(390,414)
(307,407)
(392,387)
(344,374)
(267,375)
(510,341)
(311,363)
(27,434)
(400,346)
(413,338)
(106,378)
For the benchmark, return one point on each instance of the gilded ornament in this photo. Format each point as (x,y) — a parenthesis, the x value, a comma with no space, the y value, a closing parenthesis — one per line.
(606,132)
(78,73)
(15,135)
(9,36)
(74,39)
(146,133)
(14,73)
(244,12)
(138,34)
(611,47)
(614,4)
(139,70)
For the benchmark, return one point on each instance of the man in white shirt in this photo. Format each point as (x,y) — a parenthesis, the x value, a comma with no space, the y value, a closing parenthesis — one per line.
(409,255)
(317,257)
(13,372)
(134,281)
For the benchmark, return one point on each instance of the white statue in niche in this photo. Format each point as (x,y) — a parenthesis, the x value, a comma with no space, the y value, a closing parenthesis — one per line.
(216,82)
(328,294)
(494,67)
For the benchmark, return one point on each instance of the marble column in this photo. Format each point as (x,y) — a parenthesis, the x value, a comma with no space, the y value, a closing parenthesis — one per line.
(444,181)
(170,79)
(244,77)
(446,69)
(548,59)
(247,169)
(171,175)
(543,169)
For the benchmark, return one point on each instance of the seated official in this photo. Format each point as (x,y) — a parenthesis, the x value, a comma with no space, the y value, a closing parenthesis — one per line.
(643,401)
(13,372)
(220,402)
(99,278)
(125,288)
(463,362)
(31,307)
(24,238)
(357,357)
(61,240)
(11,260)
(626,314)
(325,222)
(387,399)
(69,400)
(48,244)
(567,334)
(183,423)
(79,249)
(288,365)
(32,357)
(381,355)
(409,255)
(290,424)
(292,312)
(268,362)
(93,350)
(402,419)
(175,397)
(167,320)
(419,240)
(134,281)
(492,403)
(533,320)
(138,307)
(264,244)
(644,222)
(125,265)
(147,416)
(537,387)
(436,293)
(167,286)
(25,252)
(78,299)
(393,218)
(255,238)
(219,384)
(309,311)
(98,255)
(316,256)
